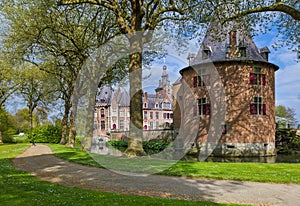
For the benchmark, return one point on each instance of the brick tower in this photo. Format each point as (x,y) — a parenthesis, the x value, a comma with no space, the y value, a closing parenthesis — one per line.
(233,87)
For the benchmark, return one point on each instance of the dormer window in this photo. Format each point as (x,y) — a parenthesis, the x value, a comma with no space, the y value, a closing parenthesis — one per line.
(206,53)
(242,49)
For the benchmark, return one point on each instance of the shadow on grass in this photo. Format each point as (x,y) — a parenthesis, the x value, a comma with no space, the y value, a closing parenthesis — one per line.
(20,188)
(52,169)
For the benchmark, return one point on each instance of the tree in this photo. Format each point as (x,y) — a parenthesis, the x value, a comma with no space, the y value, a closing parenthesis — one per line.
(137,20)
(287,113)
(57,41)
(6,126)
(36,88)
(262,16)
(7,85)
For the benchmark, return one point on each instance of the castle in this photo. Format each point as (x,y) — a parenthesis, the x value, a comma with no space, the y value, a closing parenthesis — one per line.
(228,90)
(113,106)
(224,102)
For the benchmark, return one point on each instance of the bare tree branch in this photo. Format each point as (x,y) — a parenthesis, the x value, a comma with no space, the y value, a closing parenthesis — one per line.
(278,6)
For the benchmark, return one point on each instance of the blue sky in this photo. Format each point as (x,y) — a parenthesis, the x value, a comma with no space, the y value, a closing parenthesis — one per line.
(287,78)
(287,86)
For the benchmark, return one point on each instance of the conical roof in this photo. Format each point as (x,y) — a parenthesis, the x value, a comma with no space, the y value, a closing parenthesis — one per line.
(217,43)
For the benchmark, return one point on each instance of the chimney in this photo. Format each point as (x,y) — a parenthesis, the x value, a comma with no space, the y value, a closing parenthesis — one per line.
(264,52)
(232,50)
(232,39)
(191,58)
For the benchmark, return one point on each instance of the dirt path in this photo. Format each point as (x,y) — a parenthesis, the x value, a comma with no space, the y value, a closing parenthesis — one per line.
(40,162)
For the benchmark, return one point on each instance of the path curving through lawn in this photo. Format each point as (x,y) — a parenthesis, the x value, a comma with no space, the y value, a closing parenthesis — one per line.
(40,162)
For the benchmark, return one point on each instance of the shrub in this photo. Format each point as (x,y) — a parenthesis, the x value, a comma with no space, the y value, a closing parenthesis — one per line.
(7,136)
(45,134)
(149,147)
(287,140)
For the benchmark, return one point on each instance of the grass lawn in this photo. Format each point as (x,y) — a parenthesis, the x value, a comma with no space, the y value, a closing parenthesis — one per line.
(20,188)
(257,172)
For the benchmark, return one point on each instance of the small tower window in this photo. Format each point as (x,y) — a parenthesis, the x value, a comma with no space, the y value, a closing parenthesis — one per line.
(242,49)
(256,77)
(224,128)
(203,78)
(257,107)
(102,113)
(203,107)
(206,53)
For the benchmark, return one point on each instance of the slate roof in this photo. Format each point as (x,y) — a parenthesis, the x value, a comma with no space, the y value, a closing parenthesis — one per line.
(152,100)
(104,95)
(123,99)
(217,40)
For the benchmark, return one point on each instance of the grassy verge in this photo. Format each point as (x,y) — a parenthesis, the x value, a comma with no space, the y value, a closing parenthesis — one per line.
(257,172)
(20,188)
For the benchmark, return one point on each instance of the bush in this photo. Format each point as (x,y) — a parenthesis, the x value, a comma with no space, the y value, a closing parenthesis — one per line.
(7,136)
(45,134)
(287,140)
(7,139)
(149,147)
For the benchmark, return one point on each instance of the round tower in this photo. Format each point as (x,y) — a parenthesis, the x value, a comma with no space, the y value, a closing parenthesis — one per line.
(229,61)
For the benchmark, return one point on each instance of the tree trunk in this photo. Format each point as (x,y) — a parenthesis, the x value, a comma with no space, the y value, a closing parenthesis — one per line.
(72,131)
(89,126)
(135,147)
(1,142)
(64,123)
(30,111)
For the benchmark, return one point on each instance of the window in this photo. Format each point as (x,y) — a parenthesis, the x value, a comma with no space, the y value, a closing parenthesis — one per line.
(166,105)
(102,113)
(206,53)
(171,115)
(156,105)
(114,109)
(202,80)
(145,115)
(151,126)
(121,124)
(224,128)
(243,51)
(114,126)
(145,127)
(165,115)
(102,125)
(203,107)
(257,78)
(157,125)
(151,115)
(145,105)
(257,107)
(157,115)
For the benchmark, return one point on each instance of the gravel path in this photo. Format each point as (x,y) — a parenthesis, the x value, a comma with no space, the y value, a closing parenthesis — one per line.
(40,162)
